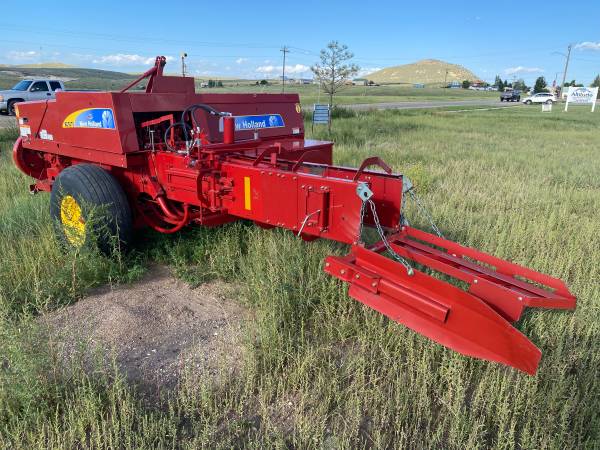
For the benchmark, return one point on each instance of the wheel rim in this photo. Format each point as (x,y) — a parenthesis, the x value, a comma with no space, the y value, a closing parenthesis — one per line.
(72,221)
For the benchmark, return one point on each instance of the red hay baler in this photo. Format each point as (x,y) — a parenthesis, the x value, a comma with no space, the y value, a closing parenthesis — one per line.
(169,157)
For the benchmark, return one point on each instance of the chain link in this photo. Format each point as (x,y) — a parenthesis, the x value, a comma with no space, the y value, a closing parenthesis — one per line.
(424,212)
(381,232)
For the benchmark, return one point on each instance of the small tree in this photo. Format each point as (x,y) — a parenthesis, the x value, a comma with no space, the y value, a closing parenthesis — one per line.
(333,71)
(540,85)
(466,84)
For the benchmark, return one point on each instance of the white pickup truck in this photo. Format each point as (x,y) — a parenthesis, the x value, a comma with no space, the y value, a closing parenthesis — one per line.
(26,90)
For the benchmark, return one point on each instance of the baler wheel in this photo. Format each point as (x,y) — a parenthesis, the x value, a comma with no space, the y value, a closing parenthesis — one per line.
(88,206)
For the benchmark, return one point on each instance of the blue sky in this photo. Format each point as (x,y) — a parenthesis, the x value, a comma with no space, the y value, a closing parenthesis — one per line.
(243,38)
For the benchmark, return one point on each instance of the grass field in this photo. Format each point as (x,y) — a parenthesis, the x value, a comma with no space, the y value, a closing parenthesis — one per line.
(309,94)
(107,80)
(320,370)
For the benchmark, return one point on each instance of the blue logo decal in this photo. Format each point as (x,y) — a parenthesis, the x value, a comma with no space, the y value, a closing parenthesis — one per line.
(257,122)
(90,118)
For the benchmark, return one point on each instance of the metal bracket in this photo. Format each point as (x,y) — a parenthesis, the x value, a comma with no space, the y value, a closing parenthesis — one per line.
(363,191)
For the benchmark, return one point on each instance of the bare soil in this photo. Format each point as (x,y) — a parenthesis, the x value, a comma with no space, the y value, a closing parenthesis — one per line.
(153,328)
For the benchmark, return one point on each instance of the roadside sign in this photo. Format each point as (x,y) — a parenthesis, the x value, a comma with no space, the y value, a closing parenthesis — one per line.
(582,96)
(546,107)
(321,114)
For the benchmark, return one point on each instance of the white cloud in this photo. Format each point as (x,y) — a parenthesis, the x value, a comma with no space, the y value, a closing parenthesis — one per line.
(588,46)
(241,60)
(266,69)
(521,69)
(292,69)
(124,59)
(23,56)
(366,71)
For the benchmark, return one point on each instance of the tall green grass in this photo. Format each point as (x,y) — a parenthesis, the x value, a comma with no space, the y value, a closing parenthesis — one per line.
(321,370)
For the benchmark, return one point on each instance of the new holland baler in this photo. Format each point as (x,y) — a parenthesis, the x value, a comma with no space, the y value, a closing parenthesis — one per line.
(168,157)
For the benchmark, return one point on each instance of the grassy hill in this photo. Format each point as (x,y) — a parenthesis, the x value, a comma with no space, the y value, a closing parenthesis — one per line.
(427,71)
(76,78)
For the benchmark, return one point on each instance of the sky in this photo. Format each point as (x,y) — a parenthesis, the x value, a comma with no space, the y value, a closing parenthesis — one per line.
(244,38)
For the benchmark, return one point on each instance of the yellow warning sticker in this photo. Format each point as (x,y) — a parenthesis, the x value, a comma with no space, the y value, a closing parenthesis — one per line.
(247,192)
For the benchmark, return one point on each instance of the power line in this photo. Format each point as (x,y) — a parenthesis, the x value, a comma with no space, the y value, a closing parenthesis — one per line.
(285,50)
(566,66)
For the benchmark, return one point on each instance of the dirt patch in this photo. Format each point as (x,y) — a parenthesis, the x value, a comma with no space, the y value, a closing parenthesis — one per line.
(155,328)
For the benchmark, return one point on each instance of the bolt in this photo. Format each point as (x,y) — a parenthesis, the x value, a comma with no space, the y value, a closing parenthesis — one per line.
(327,264)
(357,276)
(302,187)
(374,284)
(343,271)
(475,281)
(520,299)
(295,178)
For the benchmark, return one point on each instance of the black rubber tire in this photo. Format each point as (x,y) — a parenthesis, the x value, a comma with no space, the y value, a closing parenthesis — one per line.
(94,189)
(528,102)
(10,107)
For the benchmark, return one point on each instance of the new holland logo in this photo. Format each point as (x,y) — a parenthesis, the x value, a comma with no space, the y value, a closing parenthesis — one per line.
(100,118)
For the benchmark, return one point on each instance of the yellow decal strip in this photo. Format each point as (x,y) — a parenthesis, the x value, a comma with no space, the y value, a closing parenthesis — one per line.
(247,199)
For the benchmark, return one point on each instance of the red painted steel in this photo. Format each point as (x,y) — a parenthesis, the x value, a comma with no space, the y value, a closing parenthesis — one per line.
(211,159)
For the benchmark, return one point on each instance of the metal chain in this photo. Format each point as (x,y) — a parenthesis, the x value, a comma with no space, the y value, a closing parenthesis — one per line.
(363,207)
(383,237)
(425,212)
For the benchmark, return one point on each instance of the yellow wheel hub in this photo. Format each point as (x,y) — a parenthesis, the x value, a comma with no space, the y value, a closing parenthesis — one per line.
(72,221)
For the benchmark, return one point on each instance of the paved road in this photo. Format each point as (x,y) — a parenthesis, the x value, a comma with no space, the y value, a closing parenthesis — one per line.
(430,104)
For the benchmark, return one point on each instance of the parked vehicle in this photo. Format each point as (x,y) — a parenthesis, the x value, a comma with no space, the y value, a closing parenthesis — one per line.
(540,97)
(511,95)
(27,90)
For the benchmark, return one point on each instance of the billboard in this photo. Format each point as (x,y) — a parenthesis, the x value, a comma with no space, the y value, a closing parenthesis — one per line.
(582,96)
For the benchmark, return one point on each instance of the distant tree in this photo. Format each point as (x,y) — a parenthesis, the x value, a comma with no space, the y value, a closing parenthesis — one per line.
(520,85)
(333,70)
(219,83)
(596,83)
(211,83)
(466,84)
(264,82)
(498,82)
(540,85)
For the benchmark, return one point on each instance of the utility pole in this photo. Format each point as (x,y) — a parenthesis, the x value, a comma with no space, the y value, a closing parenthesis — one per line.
(566,67)
(284,50)
(446,78)
(183,56)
